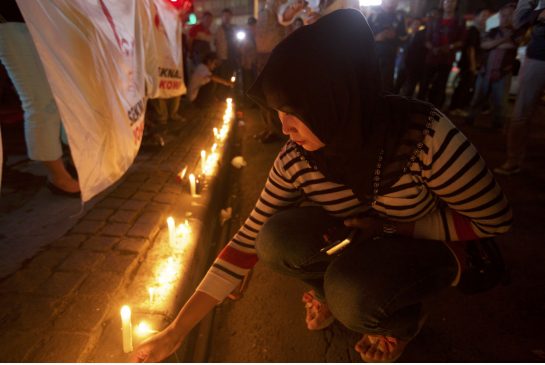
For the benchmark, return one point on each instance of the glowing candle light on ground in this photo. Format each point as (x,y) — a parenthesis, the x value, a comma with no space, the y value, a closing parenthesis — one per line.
(144,330)
(151,292)
(126,328)
(171,230)
(192,185)
(182,173)
(203,160)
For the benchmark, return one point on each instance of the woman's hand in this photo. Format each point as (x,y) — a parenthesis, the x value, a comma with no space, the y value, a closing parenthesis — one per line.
(370,227)
(157,347)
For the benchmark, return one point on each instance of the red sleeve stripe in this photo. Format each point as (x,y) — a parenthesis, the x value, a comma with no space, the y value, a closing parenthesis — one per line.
(463,228)
(238,258)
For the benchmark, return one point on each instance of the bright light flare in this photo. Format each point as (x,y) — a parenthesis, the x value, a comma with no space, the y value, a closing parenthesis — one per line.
(241,35)
(144,330)
(370,2)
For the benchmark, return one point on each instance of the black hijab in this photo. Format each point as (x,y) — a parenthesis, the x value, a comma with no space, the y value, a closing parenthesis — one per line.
(327,75)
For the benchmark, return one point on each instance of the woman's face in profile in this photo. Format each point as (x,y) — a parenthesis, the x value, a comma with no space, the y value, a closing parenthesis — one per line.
(299,132)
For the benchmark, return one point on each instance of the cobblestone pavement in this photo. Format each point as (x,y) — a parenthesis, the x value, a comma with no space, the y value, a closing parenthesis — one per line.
(502,325)
(62,303)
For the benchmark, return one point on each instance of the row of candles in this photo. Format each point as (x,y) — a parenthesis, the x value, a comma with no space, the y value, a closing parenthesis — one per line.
(180,237)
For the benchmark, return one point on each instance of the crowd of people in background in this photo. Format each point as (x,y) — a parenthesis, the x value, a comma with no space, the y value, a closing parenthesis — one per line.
(448,59)
(419,58)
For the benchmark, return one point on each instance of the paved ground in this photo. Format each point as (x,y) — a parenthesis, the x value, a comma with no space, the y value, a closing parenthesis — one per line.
(65,270)
(503,325)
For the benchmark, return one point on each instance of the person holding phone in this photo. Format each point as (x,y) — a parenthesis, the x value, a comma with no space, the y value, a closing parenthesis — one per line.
(395,171)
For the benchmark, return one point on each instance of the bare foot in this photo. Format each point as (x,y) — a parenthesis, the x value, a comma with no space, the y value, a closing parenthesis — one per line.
(318,315)
(378,348)
(67,184)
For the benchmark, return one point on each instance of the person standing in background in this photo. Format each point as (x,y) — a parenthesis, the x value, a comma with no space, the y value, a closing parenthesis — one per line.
(248,58)
(226,47)
(415,33)
(388,25)
(42,118)
(200,38)
(531,81)
(443,39)
(494,78)
(269,32)
(470,62)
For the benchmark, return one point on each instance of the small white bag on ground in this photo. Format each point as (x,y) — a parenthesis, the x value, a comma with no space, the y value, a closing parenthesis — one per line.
(93,55)
(163,49)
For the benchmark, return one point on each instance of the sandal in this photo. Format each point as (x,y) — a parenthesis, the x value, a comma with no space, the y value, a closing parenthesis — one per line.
(379,348)
(318,315)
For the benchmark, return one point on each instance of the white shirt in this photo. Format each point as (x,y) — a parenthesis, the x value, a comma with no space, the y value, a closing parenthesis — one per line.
(200,77)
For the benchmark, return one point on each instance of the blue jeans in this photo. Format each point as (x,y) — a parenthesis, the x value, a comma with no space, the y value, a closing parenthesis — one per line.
(373,286)
(497,91)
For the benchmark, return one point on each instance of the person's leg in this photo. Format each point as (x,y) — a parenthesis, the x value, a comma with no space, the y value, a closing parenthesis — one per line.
(42,119)
(439,85)
(409,85)
(290,242)
(387,67)
(480,95)
(379,286)
(462,93)
(429,75)
(205,96)
(531,86)
(499,97)
(173,105)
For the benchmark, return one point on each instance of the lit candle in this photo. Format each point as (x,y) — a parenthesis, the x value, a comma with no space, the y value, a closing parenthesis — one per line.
(151,292)
(233,79)
(229,101)
(192,185)
(182,173)
(126,328)
(203,161)
(171,231)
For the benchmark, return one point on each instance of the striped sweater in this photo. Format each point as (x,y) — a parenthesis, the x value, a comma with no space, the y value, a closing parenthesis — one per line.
(446,190)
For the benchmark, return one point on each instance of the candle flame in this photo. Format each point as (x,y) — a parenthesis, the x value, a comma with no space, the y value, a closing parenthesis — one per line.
(125,312)
(182,173)
(143,329)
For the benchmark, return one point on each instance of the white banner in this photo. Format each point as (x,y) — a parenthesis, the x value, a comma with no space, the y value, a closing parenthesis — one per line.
(164,61)
(93,55)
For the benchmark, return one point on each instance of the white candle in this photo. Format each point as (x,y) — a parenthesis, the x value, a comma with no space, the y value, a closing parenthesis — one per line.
(203,161)
(126,328)
(192,185)
(171,231)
